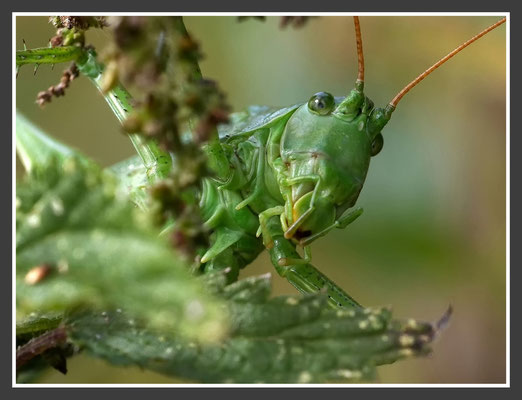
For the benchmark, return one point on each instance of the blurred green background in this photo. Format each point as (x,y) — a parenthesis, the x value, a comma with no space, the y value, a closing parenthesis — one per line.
(433,231)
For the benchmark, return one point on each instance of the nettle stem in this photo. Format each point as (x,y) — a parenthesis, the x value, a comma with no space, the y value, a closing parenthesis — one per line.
(49,55)
(39,345)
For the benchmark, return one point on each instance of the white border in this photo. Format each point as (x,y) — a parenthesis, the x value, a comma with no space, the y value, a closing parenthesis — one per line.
(508,202)
(351,385)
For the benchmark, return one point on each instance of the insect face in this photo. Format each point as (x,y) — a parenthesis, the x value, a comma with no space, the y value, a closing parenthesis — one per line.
(326,146)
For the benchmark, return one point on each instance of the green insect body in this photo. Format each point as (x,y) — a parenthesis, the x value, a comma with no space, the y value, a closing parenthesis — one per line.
(299,171)
(281,178)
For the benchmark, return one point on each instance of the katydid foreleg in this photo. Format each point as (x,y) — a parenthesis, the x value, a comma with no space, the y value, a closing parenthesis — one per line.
(303,276)
(157,162)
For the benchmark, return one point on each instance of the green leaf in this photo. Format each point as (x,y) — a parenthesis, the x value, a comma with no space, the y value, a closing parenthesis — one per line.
(99,251)
(284,339)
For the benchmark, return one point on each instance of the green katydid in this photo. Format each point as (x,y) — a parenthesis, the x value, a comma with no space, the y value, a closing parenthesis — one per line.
(283,177)
(308,164)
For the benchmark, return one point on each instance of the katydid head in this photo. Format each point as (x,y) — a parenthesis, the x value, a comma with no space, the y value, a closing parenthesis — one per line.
(326,146)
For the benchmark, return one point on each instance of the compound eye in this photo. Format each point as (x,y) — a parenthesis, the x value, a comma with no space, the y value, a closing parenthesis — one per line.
(377,144)
(321,103)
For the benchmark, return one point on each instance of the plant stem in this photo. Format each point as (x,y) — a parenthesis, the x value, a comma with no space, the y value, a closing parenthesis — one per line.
(38,345)
(49,55)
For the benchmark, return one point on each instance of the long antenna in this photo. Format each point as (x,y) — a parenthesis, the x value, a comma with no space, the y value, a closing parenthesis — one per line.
(360,56)
(413,83)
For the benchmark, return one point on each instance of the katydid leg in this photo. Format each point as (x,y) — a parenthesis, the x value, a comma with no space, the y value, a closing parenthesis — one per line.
(303,276)
(157,162)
